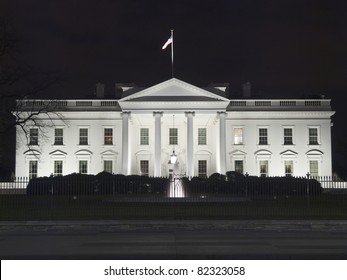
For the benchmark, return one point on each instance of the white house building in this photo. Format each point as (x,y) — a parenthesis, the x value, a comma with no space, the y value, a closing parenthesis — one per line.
(138,133)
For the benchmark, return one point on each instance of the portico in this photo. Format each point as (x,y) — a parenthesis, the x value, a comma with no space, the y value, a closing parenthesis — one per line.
(193,110)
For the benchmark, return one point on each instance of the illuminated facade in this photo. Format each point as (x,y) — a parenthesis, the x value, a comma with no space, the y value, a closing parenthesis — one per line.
(208,132)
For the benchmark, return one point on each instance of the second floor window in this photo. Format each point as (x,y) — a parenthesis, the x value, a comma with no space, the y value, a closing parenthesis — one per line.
(238,136)
(144,136)
(108,136)
(83,136)
(173,136)
(33,136)
(263,136)
(313,136)
(58,136)
(202,136)
(288,136)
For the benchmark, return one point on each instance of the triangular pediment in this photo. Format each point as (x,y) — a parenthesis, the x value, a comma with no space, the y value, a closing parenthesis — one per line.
(288,153)
(58,153)
(109,153)
(173,90)
(237,153)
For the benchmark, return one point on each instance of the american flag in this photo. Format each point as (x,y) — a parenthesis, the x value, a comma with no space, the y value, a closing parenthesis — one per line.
(168,42)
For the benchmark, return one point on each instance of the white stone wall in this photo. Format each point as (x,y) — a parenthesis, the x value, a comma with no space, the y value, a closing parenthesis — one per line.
(71,152)
(275,122)
(250,151)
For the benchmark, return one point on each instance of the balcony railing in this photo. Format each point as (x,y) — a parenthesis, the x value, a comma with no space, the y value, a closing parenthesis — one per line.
(277,104)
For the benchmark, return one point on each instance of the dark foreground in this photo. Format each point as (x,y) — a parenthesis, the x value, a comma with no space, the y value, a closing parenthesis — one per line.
(174,240)
(330,206)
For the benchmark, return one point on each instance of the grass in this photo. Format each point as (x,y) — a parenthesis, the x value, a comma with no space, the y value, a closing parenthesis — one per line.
(23,207)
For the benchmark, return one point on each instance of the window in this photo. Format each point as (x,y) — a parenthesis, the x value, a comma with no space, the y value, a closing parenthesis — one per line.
(202,140)
(32,169)
(263,136)
(108,166)
(314,168)
(288,168)
(83,166)
(238,136)
(58,136)
(144,136)
(238,164)
(313,136)
(144,167)
(83,136)
(58,168)
(108,136)
(202,168)
(173,136)
(288,136)
(264,168)
(33,136)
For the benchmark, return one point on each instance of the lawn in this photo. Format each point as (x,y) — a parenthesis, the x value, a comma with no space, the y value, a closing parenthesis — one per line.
(26,207)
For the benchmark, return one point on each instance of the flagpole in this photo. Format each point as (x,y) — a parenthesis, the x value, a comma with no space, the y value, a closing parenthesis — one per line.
(172,53)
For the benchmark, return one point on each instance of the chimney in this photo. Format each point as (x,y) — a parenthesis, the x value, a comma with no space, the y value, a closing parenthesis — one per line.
(246,90)
(100,90)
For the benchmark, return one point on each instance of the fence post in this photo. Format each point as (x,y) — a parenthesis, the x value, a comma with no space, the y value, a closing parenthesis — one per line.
(246,175)
(52,193)
(113,197)
(308,192)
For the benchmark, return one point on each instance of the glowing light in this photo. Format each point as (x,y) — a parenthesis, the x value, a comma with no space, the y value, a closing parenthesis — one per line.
(173,158)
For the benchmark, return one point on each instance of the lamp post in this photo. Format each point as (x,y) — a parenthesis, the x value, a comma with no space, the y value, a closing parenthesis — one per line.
(173,160)
(173,157)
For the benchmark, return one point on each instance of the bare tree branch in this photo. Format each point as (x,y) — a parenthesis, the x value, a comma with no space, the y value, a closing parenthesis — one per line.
(18,82)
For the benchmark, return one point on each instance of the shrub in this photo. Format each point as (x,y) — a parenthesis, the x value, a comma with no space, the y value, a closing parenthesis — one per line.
(100,184)
(238,184)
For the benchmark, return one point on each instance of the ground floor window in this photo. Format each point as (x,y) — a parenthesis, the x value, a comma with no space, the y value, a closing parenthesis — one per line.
(264,168)
(238,166)
(202,168)
(32,169)
(58,168)
(314,168)
(83,167)
(288,168)
(108,166)
(144,167)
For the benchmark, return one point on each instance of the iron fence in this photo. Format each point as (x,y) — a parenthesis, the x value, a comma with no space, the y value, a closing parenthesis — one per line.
(137,197)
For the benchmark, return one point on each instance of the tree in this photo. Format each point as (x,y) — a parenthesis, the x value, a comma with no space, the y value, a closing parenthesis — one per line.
(19,82)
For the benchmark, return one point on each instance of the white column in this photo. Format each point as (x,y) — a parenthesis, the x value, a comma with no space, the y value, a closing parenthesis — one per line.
(190,141)
(222,142)
(125,143)
(157,144)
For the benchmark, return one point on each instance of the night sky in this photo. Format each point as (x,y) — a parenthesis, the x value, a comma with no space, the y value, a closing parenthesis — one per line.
(294,46)
(283,47)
